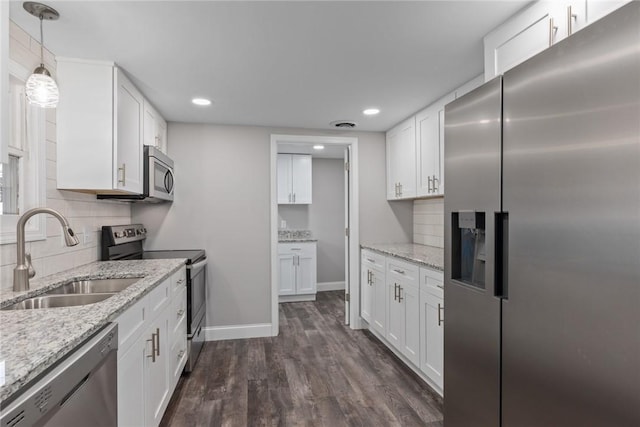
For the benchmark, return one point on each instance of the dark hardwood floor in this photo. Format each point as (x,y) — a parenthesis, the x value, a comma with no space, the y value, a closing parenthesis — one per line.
(317,372)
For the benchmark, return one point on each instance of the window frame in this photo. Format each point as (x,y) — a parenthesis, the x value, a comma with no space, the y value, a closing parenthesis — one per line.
(36,152)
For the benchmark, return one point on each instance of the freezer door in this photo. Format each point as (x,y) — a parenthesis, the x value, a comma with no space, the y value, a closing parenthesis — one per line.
(571,172)
(472,312)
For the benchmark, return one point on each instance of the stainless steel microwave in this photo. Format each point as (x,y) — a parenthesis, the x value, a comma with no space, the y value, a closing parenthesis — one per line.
(158,180)
(158,174)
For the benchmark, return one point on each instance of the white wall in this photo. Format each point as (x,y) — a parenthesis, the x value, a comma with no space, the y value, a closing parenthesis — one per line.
(222,204)
(324,217)
(428,222)
(84,212)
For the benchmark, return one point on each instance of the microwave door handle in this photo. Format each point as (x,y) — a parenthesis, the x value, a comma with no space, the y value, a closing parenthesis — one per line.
(168,181)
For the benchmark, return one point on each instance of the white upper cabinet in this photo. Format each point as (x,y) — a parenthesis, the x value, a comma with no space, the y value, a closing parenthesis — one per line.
(430,147)
(537,28)
(401,161)
(294,179)
(99,129)
(155,128)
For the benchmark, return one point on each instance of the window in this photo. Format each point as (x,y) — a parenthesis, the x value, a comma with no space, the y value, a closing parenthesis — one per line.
(23,176)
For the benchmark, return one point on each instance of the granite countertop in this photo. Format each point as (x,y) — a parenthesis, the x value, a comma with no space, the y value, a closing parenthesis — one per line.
(429,256)
(295,236)
(33,340)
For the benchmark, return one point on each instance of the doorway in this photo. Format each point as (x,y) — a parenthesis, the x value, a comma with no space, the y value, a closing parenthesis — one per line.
(345,149)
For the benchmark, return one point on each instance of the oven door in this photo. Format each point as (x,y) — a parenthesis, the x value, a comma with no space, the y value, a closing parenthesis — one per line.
(196,295)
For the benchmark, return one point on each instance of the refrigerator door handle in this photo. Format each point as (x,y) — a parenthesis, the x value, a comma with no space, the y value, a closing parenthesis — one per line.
(501,288)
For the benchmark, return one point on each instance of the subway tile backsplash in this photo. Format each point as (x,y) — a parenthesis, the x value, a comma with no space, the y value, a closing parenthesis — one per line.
(85,213)
(428,222)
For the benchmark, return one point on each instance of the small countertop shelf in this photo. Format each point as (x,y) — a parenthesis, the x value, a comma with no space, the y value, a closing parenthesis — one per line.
(428,256)
(31,341)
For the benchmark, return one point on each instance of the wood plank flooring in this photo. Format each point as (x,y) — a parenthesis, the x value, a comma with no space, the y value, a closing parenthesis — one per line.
(317,372)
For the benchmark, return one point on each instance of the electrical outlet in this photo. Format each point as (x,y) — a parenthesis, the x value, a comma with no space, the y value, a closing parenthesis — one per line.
(87,235)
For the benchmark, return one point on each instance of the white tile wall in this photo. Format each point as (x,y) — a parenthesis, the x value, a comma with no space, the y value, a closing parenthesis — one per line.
(85,214)
(428,222)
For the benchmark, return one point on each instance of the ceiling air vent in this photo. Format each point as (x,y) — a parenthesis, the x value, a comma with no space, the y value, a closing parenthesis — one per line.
(343,124)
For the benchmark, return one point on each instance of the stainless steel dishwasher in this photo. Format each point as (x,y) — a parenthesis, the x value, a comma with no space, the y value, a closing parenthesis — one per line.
(81,390)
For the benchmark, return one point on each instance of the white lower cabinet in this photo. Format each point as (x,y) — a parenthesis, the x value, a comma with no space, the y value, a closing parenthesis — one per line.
(297,271)
(149,332)
(403,304)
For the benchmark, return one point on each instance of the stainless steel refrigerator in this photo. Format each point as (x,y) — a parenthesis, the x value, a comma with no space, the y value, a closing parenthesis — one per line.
(542,238)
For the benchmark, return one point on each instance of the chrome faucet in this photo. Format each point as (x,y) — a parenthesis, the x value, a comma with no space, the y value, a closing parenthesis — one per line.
(24,270)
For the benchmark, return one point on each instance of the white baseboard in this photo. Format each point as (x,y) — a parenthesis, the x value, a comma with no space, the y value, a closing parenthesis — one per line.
(234,332)
(297,298)
(330,286)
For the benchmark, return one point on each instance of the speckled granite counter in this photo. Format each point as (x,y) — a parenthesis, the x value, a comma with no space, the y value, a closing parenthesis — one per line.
(297,240)
(429,256)
(33,340)
(295,236)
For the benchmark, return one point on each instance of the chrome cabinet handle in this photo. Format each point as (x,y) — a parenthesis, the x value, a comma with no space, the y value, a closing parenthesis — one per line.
(289,197)
(371,260)
(294,197)
(398,271)
(436,184)
(158,341)
(440,319)
(440,286)
(400,294)
(429,184)
(124,173)
(180,281)
(396,188)
(570,17)
(153,348)
(180,312)
(371,277)
(395,292)
(552,30)
(400,187)
(180,354)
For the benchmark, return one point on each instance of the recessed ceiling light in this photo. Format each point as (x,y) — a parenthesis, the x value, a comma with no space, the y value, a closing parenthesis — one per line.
(318,147)
(370,111)
(203,102)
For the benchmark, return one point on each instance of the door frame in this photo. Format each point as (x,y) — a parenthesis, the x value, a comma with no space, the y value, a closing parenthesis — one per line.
(354,230)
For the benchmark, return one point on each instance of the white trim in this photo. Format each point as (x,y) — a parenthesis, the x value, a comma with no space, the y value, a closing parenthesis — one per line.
(330,286)
(354,226)
(297,298)
(235,332)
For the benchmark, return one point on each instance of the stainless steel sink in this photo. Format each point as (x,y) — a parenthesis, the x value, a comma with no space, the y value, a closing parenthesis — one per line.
(93,286)
(51,301)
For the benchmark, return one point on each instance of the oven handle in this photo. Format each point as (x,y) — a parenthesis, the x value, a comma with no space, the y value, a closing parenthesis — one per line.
(195,268)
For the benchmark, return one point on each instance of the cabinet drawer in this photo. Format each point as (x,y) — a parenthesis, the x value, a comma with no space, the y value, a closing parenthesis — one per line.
(158,298)
(404,271)
(178,356)
(432,282)
(372,259)
(131,323)
(178,314)
(179,280)
(304,248)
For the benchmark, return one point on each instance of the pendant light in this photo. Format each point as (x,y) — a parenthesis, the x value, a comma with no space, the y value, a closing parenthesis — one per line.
(42,90)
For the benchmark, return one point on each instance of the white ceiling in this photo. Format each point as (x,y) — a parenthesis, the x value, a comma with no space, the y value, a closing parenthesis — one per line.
(294,64)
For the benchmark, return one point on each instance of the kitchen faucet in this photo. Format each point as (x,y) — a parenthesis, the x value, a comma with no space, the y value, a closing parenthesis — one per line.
(24,270)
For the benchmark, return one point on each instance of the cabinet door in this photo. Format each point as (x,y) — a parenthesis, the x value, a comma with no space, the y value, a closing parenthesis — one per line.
(523,36)
(379,310)
(401,161)
(283,179)
(301,182)
(432,328)
(131,385)
(395,318)
(366,294)
(149,125)
(428,142)
(306,274)
(128,153)
(161,134)
(286,274)
(410,302)
(596,9)
(157,371)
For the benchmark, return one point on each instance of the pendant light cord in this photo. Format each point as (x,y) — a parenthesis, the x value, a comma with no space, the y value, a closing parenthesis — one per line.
(41,43)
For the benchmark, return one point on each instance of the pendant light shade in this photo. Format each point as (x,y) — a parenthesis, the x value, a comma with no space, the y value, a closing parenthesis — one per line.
(41,89)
